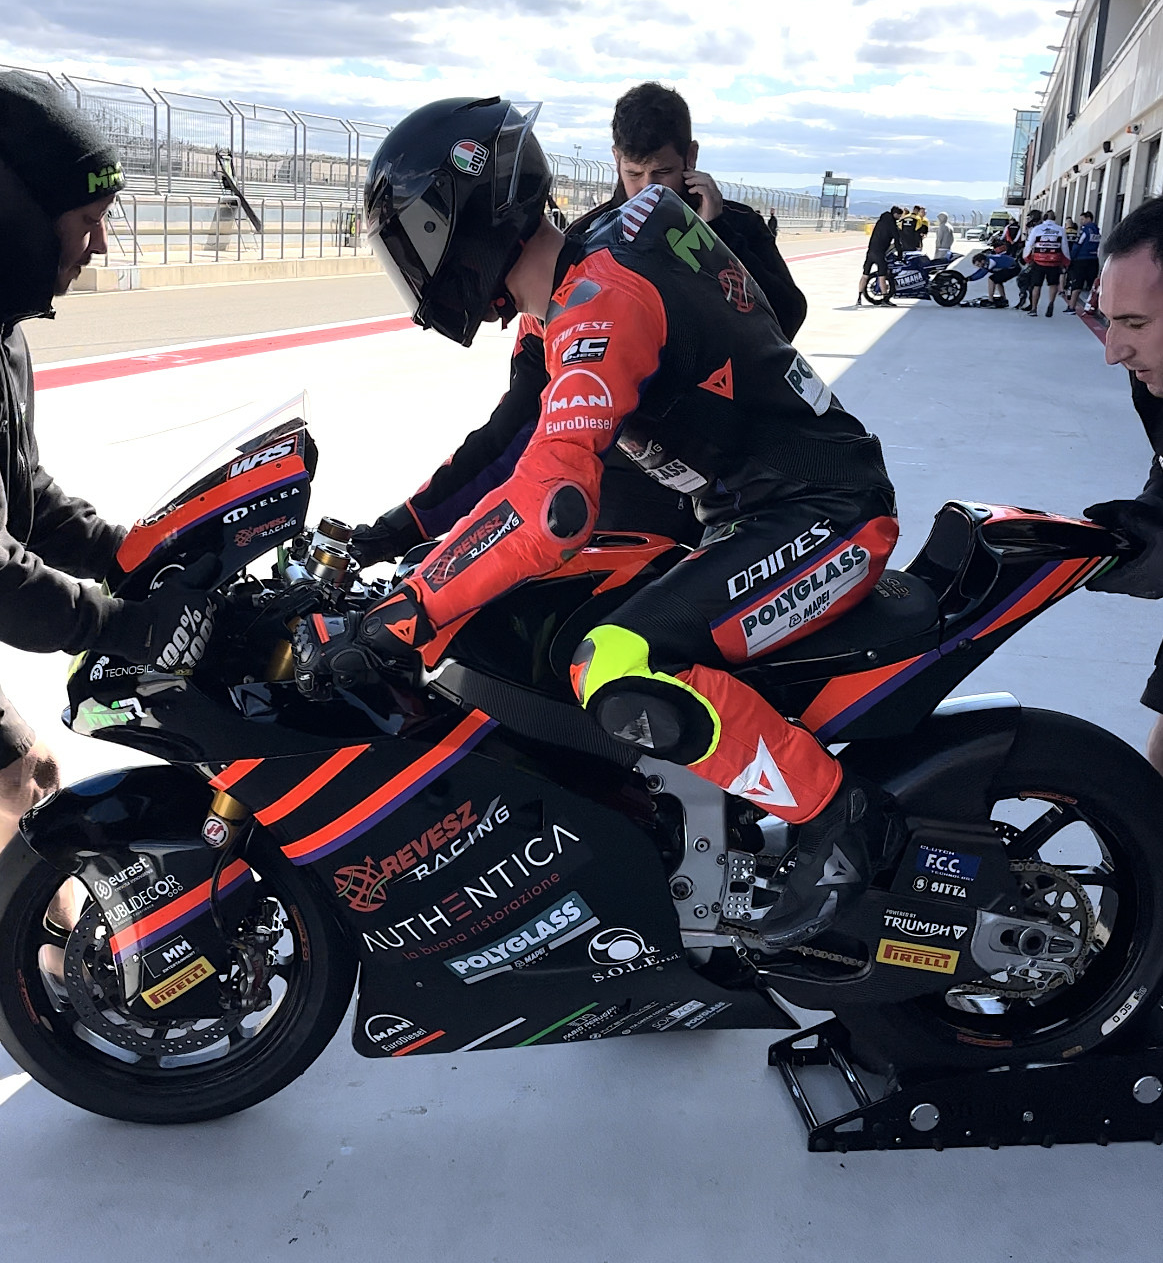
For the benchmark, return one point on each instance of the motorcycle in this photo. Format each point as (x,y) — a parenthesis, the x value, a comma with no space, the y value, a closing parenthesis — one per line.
(459,845)
(915,275)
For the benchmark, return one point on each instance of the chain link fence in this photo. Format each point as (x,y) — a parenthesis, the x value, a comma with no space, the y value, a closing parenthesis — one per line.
(302,174)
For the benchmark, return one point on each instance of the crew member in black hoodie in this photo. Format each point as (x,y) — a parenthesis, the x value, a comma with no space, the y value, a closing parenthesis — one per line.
(652,145)
(58,178)
(1132,301)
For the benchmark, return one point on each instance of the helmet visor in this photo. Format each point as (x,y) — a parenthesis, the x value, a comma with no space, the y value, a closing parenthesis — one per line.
(411,244)
(509,144)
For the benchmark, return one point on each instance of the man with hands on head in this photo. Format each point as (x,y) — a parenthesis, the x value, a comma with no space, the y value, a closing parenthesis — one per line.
(58,178)
(1131,299)
(652,139)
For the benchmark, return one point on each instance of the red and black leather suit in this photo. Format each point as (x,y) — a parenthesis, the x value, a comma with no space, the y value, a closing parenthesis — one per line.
(657,340)
(488,455)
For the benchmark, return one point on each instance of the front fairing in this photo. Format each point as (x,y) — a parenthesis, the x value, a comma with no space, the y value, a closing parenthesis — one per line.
(248,497)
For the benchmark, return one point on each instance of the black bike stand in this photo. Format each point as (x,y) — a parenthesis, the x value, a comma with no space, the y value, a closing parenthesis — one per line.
(1096,1099)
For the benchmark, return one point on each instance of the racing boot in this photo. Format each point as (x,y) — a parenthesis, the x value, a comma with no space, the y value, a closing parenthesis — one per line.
(834,863)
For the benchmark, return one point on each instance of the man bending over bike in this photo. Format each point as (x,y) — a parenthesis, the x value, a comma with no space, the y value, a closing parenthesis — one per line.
(656,340)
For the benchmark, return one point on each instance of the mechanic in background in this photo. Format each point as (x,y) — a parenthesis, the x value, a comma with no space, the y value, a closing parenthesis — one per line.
(885,236)
(1132,301)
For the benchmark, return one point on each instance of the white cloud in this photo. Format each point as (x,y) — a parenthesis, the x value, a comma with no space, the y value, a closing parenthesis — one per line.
(925,95)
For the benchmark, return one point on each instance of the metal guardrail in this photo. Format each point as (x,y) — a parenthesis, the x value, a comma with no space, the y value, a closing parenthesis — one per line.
(185,228)
(168,143)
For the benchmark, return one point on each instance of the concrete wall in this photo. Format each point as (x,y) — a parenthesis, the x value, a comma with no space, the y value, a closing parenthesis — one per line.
(1129,94)
(103,279)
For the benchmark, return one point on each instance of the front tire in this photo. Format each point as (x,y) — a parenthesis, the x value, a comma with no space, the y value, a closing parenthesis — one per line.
(872,290)
(1072,800)
(313,975)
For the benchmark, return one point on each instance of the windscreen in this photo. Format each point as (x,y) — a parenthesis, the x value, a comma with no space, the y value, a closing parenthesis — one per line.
(261,435)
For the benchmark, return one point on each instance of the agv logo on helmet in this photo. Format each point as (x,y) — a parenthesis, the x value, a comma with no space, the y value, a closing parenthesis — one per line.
(469,157)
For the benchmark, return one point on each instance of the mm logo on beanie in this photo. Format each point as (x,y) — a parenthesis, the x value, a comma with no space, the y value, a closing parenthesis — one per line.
(109,179)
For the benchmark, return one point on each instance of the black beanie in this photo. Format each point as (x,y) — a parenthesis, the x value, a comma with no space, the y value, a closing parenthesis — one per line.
(61,157)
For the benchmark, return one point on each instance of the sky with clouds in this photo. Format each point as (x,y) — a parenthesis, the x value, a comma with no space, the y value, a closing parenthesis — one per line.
(895,96)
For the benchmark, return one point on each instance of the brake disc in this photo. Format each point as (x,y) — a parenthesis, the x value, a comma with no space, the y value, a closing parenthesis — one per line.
(93,988)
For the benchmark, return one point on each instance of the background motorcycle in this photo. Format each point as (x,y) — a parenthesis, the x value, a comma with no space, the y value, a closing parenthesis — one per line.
(917,276)
(502,874)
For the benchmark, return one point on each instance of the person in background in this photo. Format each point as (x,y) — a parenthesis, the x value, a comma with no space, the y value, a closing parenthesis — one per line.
(1033,219)
(1132,302)
(997,268)
(1083,270)
(885,236)
(922,226)
(908,233)
(943,239)
(773,225)
(1047,253)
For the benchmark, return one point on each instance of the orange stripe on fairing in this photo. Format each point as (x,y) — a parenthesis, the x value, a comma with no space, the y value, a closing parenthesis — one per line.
(310,786)
(839,694)
(397,785)
(419,1043)
(1041,594)
(172,911)
(234,772)
(142,540)
(836,696)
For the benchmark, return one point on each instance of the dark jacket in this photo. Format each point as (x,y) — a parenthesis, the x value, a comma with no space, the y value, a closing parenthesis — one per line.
(885,235)
(43,532)
(1150,410)
(628,502)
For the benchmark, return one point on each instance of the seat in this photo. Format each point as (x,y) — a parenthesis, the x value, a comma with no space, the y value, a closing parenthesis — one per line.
(897,620)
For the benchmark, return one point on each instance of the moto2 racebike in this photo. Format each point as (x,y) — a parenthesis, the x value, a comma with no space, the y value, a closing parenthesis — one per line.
(915,275)
(462,847)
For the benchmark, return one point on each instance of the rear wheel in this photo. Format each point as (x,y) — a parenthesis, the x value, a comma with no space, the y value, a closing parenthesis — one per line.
(947,288)
(872,291)
(60,1018)
(1079,812)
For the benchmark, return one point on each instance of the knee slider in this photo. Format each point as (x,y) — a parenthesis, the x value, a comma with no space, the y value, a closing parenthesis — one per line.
(612,678)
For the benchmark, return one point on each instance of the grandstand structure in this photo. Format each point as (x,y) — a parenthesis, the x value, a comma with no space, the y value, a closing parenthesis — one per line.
(303,172)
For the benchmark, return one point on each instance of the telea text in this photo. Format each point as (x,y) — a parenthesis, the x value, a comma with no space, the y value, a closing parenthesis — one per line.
(778,560)
(495,884)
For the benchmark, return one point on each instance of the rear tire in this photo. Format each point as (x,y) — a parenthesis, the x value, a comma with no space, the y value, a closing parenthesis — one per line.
(947,288)
(1077,777)
(48,1038)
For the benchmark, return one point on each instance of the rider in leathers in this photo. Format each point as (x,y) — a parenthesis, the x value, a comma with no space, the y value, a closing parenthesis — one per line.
(657,340)
(487,456)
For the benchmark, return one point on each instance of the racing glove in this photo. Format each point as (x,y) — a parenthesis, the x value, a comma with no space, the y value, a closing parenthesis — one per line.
(389,536)
(171,628)
(345,650)
(1142,522)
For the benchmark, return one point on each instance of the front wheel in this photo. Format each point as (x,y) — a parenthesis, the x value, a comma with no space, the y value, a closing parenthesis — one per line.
(1079,813)
(60,1018)
(872,290)
(947,288)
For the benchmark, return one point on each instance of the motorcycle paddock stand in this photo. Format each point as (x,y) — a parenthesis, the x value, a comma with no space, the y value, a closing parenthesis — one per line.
(1097,1099)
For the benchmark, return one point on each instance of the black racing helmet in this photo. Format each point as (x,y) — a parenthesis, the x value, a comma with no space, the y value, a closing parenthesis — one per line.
(452,195)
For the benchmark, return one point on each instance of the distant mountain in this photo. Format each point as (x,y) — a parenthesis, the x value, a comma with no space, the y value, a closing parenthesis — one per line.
(871,202)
